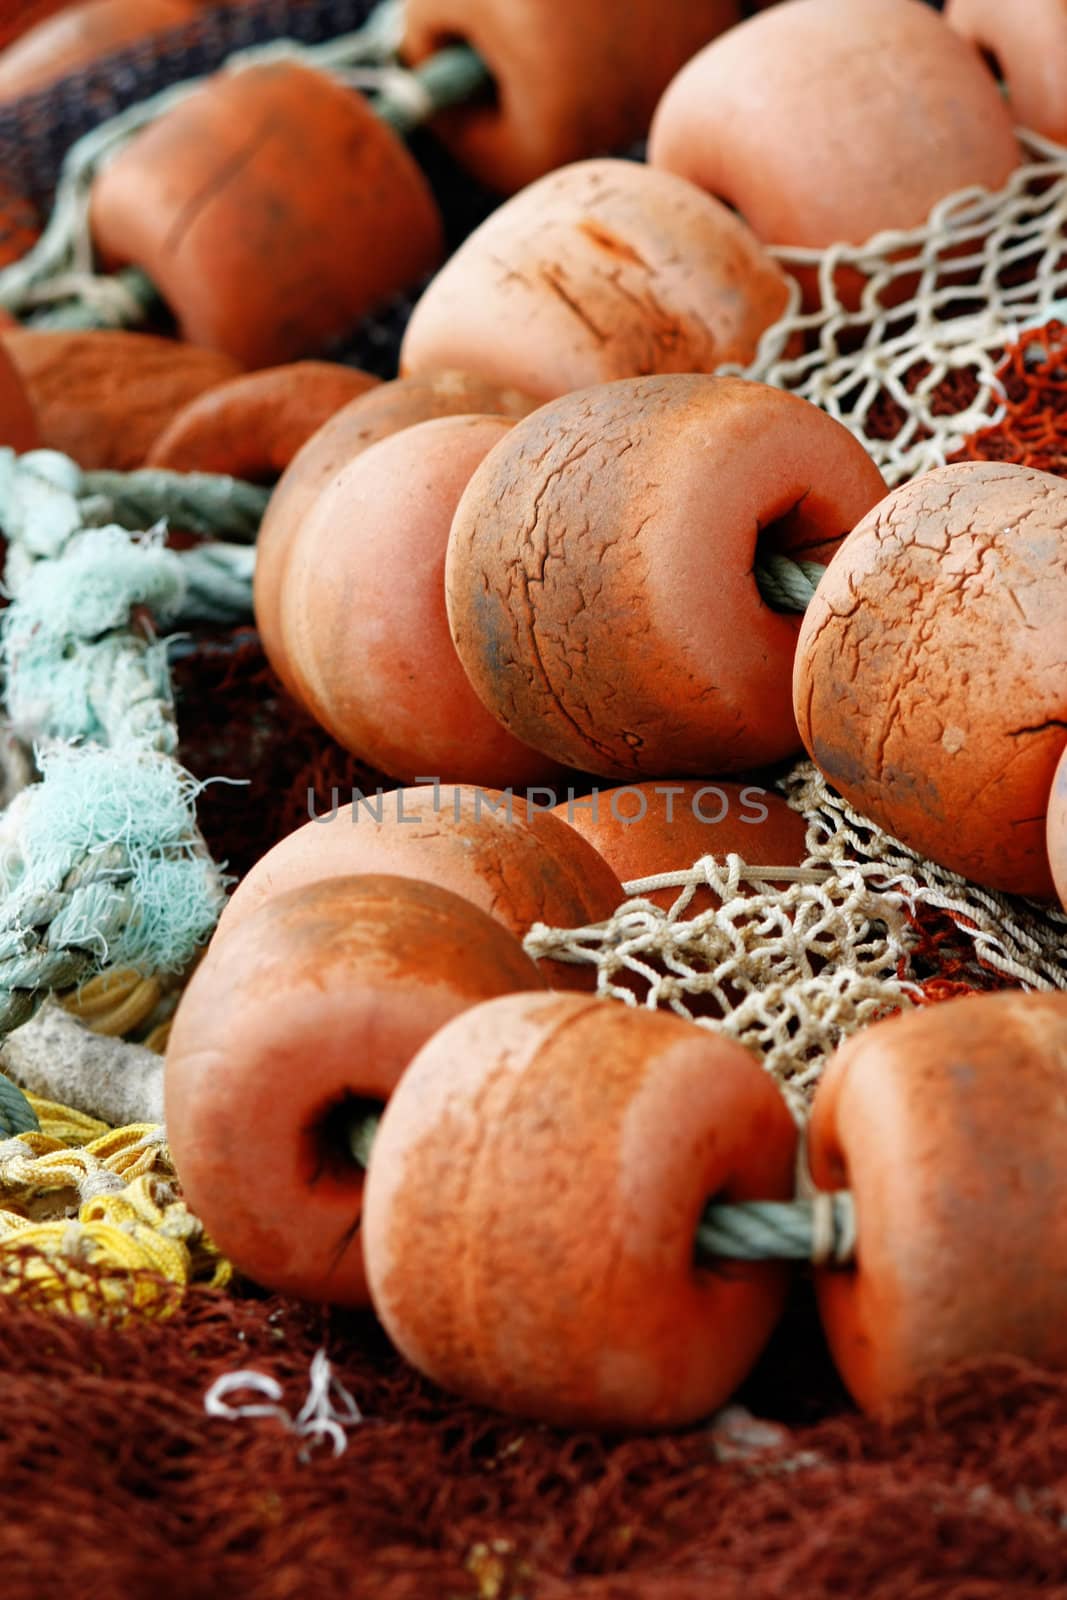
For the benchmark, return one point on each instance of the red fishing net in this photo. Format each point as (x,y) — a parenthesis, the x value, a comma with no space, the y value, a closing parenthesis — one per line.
(117,1483)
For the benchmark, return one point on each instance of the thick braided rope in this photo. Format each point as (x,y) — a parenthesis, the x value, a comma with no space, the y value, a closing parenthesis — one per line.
(101,862)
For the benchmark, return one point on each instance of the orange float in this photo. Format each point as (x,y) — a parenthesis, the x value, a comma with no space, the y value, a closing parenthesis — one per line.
(606,269)
(79,35)
(18,425)
(600,579)
(825,121)
(511,858)
(103,397)
(531,1209)
(929,684)
(1031,58)
(291,1029)
(363,621)
(1057,830)
(567,82)
(371,417)
(252,426)
(644,829)
(272,209)
(948,1128)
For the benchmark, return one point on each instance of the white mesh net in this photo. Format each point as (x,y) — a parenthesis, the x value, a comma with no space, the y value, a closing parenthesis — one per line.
(790,969)
(911,369)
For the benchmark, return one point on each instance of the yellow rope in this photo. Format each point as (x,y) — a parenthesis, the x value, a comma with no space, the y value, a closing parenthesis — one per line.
(91,1220)
(115,1002)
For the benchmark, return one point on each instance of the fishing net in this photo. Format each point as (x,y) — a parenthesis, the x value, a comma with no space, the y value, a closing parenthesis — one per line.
(117,1317)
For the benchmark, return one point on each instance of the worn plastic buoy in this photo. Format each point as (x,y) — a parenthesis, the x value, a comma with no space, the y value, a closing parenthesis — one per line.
(79,35)
(363,622)
(272,209)
(103,397)
(18,425)
(568,81)
(377,415)
(824,120)
(253,426)
(289,1029)
(1056,830)
(600,570)
(513,859)
(948,1127)
(1032,58)
(531,1210)
(644,829)
(605,270)
(930,684)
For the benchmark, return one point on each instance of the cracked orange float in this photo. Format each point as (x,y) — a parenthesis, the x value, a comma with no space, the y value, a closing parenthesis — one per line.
(80,35)
(604,270)
(948,1126)
(1029,48)
(18,425)
(644,829)
(377,415)
(309,1013)
(531,1210)
(930,683)
(271,208)
(1057,830)
(102,397)
(514,860)
(912,116)
(568,81)
(600,570)
(253,426)
(363,622)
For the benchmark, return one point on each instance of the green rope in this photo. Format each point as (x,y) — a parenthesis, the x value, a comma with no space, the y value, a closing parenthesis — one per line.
(820,1228)
(786,584)
(410,97)
(204,503)
(16,1113)
(778,1230)
(101,862)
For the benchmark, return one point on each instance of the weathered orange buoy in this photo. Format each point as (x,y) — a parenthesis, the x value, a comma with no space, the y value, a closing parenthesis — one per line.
(252,426)
(948,1127)
(532,1203)
(1032,58)
(376,415)
(289,1029)
(604,270)
(644,829)
(18,425)
(929,685)
(823,120)
(1057,830)
(102,397)
(512,859)
(363,622)
(78,35)
(271,208)
(568,82)
(600,570)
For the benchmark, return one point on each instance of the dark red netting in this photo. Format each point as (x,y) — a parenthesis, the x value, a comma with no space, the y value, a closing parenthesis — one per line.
(116,1483)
